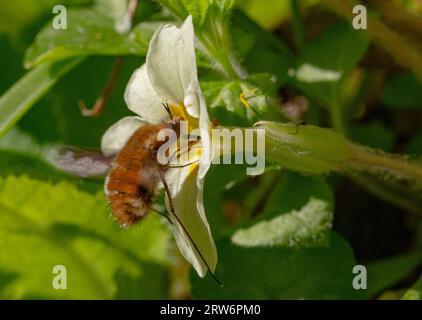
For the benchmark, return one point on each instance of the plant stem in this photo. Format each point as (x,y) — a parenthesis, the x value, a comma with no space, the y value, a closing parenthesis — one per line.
(220,57)
(336,113)
(318,151)
(366,159)
(298,30)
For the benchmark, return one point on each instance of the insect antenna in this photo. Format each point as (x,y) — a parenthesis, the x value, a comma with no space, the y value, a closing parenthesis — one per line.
(297,125)
(167,107)
(167,190)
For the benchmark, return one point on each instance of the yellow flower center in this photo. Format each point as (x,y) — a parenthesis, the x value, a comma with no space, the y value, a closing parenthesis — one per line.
(180,110)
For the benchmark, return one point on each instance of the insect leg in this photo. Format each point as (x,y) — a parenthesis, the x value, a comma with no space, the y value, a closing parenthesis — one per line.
(167,107)
(171,204)
(180,166)
(297,125)
(178,154)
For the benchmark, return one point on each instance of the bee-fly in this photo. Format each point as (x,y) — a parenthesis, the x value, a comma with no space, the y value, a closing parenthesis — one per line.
(133,175)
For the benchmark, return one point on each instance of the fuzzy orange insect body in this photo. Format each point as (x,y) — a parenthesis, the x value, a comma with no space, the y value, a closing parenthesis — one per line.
(135,174)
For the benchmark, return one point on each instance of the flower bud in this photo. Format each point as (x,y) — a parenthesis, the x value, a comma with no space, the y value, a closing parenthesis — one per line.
(303,148)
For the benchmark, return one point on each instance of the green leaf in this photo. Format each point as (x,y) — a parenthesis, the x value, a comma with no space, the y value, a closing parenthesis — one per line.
(403,91)
(375,135)
(116,9)
(339,49)
(225,103)
(57,117)
(304,228)
(200,10)
(16,16)
(21,154)
(269,15)
(276,273)
(89,33)
(182,8)
(73,228)
(273,13)
(293,191)
(414,293)
(18,141)
(385,273)
(336,51)
(415,145)
(258,50)
(227,185)
(15,102)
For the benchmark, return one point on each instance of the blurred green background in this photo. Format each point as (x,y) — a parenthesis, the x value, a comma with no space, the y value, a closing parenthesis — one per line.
(48,218)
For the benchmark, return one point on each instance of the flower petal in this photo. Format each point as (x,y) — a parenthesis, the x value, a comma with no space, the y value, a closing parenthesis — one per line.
(204,125)
(183,187)
(118,134)
(171,64)
(142,99)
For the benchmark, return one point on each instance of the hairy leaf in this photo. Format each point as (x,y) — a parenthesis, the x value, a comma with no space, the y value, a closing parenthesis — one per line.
(69,227)
(307,227)
(276,273)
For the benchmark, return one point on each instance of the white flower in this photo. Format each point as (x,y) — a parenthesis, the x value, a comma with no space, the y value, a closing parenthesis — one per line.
(170,76)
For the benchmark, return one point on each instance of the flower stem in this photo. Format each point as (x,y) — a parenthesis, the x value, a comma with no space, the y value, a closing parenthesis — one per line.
(336,113)
(366,159)
(315,150)
(220,57)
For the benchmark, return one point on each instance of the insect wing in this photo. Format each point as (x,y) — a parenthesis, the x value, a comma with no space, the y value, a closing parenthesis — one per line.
(80,163)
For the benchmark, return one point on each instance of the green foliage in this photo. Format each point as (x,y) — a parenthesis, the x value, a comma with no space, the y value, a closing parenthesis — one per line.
(57,117)
(383,274)
(403,91)
(225,103)
(260,51)
(291,193)
(274,233)
(15,18)
(414,293)
(275,273)
(183,8)
(415,146)
(303,228)
(30,88)
(91,33)
(73,229)
(337,50)
(375,135)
